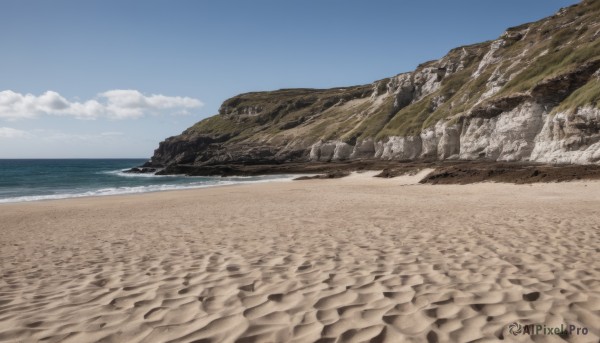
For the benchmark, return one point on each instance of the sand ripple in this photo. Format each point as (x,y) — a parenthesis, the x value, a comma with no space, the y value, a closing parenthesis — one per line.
(326,261)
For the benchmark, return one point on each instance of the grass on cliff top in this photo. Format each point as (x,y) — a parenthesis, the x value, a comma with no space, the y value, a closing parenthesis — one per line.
(217,124)
(589,94)
(409,120)
(460,94)
(566,41)
(270,100)
(374,122)
(554,63)
(342,122)
(221,125)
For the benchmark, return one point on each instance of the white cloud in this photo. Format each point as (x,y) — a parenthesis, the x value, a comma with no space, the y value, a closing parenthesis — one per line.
(113,104)
(59,136)
(9,132)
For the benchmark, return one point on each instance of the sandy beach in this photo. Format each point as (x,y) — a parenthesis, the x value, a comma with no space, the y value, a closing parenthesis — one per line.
(356,259)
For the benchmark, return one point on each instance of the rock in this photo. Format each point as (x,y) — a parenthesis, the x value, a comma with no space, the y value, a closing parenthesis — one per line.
(402,148)
(569,138)
(519,173)
(506,137)
(364,148)
(335,174)
(141,170)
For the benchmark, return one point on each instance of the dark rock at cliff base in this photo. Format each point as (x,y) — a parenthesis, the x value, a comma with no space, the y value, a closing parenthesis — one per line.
(399,171)
(517,173)
(445,172)
(141,170)
(334,174)
(270,169)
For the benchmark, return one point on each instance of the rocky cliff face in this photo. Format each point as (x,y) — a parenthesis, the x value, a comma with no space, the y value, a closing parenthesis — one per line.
(531,95)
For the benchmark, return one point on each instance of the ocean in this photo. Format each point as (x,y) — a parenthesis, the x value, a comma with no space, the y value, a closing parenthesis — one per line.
(43,179)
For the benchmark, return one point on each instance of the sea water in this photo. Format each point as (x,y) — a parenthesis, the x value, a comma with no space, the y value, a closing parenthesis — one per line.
(42,179)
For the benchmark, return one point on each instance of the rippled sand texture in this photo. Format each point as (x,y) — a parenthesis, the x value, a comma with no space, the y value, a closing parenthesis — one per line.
(349,260)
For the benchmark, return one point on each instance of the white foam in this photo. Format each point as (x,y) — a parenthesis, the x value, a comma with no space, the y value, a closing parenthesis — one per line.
(121,172)
(146,189)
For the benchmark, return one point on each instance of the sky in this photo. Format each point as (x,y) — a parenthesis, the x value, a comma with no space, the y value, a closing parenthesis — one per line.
(113,78)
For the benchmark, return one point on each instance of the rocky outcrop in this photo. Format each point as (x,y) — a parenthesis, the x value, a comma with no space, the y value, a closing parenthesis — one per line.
(533,94)
(441,142)
(400,148)
(506,137)
(569,138)
(330,151)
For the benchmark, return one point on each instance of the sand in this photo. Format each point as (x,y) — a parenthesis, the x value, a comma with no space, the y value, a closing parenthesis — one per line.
(348,260)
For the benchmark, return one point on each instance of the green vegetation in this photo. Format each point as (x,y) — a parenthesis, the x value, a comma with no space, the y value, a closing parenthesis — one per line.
(217,125)
(409,120)
(375,121)
(453,83)
(553,63)
(589,94)
(538,70)
(461,93)
(331,123)
(562,37)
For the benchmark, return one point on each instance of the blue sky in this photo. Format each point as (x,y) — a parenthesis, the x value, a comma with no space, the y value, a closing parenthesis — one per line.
(113,78)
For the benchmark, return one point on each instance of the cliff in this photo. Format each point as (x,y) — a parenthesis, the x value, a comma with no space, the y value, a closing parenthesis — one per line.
(532,95)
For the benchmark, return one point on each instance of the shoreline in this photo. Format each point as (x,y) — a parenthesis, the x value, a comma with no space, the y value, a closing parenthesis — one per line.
(446,173)
(174,192)
(175,189)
